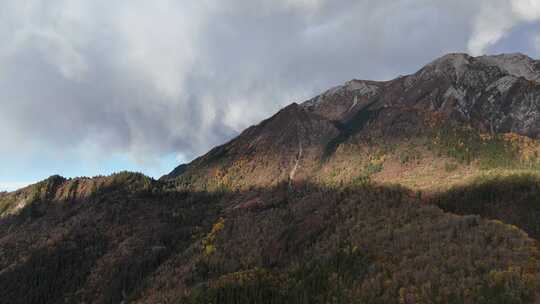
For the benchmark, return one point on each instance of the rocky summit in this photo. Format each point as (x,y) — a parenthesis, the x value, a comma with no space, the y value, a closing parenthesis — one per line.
(490,94)
(495,94)
(420,189)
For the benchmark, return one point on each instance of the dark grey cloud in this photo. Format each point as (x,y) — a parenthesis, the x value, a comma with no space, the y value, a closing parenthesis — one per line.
(149,78)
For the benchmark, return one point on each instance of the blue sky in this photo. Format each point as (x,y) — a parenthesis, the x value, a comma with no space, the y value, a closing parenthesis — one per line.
(94,87)
(41,167)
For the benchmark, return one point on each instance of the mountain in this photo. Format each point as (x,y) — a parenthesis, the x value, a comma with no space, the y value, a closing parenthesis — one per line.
(457,93)
(421,189)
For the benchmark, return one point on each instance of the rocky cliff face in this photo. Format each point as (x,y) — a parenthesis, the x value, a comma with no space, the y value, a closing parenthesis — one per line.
(491,94)
(497,94)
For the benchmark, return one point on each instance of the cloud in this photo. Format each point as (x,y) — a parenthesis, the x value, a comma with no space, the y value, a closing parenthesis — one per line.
(497,18)
(90,79)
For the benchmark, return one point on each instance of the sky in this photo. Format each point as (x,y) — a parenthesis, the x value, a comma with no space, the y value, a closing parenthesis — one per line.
(94,87)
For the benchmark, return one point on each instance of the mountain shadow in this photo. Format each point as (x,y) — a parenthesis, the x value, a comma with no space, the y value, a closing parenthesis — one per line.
(139,240)
(513,199)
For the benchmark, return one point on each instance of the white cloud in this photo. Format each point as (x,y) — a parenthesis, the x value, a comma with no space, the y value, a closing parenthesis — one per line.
(527,10)
(154,78)
(497,18)
(56,31)
(160,40)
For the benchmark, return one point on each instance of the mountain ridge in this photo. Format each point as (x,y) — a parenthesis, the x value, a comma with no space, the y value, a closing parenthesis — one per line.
(421,189)
(492,94)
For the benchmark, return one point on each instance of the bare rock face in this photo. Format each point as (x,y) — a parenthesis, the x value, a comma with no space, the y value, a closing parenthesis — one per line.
(493,94)
(496,94)
(518,65)
(339,103)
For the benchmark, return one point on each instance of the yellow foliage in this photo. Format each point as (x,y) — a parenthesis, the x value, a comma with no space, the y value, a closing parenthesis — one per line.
(377,159)
(208,241)
(241,277)
(486,136)
(209,249)
(528,148)
(218,226)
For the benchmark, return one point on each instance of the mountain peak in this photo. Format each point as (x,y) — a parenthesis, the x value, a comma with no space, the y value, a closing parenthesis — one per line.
(451,58)
(515,64)
(491,94)
(341,102)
